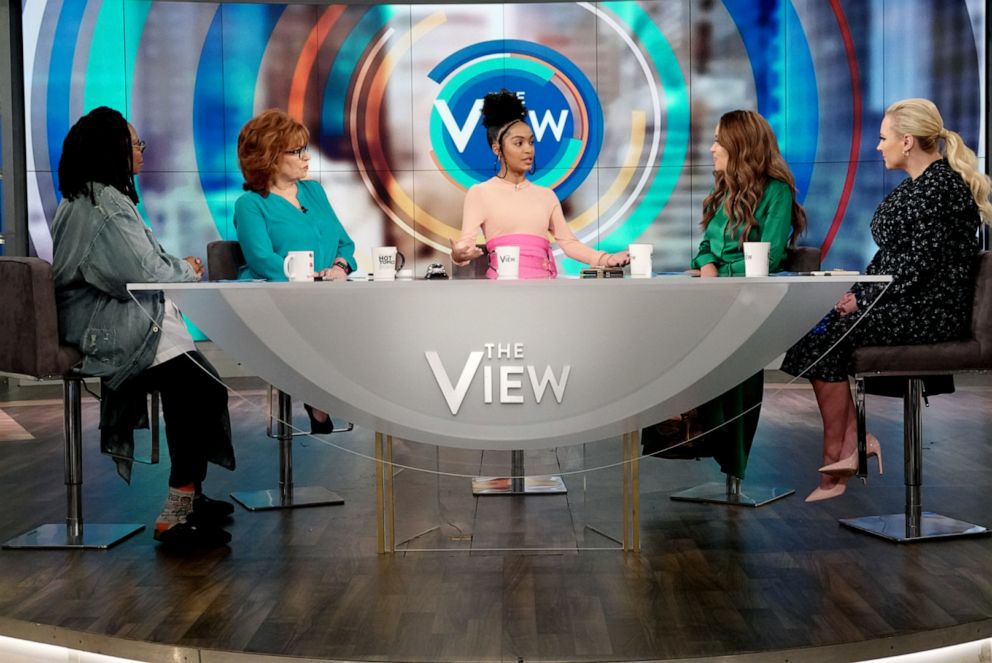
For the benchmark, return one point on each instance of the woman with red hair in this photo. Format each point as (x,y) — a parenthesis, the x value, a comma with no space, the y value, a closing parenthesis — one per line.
(282,211)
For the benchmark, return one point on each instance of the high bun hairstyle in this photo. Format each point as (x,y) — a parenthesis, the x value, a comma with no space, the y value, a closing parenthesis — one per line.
(501,110)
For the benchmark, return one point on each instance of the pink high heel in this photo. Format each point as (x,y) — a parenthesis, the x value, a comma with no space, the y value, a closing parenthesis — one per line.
(821,494)
(846,467)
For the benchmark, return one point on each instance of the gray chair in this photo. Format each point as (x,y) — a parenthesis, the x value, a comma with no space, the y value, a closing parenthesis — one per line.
(731,491)
(224,261)
(29,345)
(517,483)
(915,363)
(801,259)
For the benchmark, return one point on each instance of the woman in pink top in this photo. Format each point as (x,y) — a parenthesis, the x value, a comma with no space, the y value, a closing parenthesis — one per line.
(512,211)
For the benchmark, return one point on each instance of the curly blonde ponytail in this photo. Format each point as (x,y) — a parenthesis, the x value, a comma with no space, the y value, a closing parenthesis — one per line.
(921,119)
(964,161)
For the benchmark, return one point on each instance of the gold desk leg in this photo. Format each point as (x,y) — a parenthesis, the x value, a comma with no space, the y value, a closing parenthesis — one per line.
(626,491)
(392,494)
(635,488)
(379,512)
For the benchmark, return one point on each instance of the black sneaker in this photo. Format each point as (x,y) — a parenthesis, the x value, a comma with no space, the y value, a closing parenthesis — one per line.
(188,535)
(213,511)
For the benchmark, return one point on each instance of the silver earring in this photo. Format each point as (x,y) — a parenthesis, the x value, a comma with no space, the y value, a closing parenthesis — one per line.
(496,166)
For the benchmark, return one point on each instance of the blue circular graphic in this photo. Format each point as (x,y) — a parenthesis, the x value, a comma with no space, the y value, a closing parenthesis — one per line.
(563,111)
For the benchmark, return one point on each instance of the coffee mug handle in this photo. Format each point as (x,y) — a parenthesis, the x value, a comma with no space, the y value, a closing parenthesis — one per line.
(286,262)
(400,261)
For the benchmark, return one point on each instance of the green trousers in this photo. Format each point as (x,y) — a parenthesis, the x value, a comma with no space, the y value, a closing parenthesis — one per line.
(731,441)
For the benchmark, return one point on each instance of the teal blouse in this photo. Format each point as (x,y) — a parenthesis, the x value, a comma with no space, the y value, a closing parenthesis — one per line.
(774,216)
(270,226)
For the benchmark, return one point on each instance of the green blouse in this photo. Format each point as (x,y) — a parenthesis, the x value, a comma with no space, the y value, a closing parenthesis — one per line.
(774,215)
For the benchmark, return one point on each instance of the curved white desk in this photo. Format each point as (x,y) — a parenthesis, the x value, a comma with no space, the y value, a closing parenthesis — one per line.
(509,364)
(383,354)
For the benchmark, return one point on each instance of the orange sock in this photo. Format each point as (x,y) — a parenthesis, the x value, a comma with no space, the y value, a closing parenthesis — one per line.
(178,505)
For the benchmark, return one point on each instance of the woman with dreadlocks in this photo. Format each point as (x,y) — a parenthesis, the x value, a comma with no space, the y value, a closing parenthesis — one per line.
(136,344)
(512,211)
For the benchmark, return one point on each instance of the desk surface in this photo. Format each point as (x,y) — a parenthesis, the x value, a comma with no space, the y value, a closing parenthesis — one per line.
(508,365)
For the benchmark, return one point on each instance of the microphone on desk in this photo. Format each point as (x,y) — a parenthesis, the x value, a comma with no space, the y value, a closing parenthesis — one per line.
(303,209)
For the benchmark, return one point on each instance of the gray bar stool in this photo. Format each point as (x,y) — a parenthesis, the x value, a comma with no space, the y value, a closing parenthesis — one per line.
(517,483)
(29,345)
(915,363)
(224,260)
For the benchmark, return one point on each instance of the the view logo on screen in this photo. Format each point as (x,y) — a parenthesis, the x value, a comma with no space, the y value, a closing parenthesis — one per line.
(563,111)
(461,133)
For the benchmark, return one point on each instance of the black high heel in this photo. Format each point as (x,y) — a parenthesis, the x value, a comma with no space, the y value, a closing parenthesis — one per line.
(319,427)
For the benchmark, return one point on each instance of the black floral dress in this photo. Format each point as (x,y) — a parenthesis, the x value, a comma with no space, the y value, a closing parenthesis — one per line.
(926,231)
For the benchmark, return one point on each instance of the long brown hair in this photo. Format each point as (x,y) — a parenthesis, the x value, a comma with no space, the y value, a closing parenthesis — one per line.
(753,159)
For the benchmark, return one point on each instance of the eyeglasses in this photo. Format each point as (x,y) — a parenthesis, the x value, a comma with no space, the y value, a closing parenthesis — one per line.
(140,146)
(299,152)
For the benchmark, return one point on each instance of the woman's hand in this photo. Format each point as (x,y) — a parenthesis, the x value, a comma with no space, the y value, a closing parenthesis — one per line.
(334,273)
(463,250)
(847,304)
(618,259)
(709,270)
(197,266)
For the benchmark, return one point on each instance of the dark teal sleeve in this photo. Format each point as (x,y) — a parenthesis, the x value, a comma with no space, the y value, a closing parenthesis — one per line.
(334,240)
(253,235)
(346,247)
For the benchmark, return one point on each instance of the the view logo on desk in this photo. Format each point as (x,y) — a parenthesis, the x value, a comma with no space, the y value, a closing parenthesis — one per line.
(565,112)
(507,379)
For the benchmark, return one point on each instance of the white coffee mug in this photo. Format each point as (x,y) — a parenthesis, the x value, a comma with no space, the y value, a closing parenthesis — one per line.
(298,265)
(386,261)
(756,258)
(507,262)
(640,260)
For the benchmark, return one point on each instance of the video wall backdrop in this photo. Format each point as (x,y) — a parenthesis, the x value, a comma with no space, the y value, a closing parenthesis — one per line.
(623,96)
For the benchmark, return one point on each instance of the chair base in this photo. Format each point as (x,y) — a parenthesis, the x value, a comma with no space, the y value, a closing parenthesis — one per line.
(895,527)
(56,536)
(273,498)
(716,492)
(536,485)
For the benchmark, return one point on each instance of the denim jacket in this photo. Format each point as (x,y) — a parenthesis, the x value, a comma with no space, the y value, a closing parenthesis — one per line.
(99,249)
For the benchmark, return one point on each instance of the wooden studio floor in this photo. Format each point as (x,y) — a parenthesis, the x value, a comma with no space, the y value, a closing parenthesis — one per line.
(511,578)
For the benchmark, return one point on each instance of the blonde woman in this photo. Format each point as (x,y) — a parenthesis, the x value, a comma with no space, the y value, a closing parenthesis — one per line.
(926,232)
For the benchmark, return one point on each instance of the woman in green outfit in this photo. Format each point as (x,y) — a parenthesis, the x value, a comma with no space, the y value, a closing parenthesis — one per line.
(754,200)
